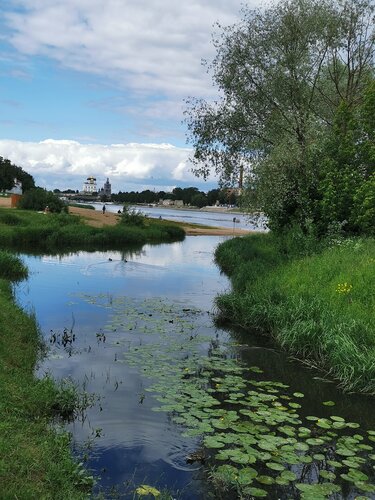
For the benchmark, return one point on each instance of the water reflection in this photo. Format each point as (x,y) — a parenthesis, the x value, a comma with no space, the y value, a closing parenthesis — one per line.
(97,309)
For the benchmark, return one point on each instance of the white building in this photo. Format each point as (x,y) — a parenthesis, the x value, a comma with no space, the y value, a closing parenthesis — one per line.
(90,187)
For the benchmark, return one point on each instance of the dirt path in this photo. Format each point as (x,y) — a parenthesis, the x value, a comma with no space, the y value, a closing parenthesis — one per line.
(97,219)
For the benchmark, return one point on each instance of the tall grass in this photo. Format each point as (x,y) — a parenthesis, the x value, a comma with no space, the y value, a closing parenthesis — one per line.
(320,307)
(11,268)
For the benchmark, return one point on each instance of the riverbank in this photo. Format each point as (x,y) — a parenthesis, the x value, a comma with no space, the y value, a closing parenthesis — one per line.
(58,233)
(320,307)
(96,218)
(35,458)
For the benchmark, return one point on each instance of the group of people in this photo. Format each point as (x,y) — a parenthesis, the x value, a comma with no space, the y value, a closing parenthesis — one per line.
(104,209)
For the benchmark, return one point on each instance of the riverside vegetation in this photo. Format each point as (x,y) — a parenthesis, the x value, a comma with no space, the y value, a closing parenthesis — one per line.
(36,460)
(316,299)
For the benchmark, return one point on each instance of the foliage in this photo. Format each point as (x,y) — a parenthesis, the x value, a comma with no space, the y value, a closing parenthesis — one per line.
(346,164)
(39,199)
(319,305)
(223,196)
(285,74)
(132,217)
(9,172)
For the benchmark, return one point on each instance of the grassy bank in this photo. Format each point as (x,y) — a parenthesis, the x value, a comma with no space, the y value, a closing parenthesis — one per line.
(35,459)
(320,307)
(26,230)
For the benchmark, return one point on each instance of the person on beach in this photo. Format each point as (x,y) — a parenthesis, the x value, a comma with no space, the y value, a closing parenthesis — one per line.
(103,209)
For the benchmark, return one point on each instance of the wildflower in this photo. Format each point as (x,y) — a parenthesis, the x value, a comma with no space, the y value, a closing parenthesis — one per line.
(344,288)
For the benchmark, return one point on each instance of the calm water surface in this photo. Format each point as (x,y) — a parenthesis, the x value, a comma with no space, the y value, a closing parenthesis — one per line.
(114,303)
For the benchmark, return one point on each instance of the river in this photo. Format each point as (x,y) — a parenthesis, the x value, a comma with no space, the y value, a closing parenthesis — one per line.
(136,330)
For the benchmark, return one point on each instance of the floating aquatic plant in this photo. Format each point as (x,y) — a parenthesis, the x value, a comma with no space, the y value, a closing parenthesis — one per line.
(250,423)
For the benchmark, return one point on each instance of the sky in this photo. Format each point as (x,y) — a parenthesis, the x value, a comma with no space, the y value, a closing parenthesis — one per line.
(97,87)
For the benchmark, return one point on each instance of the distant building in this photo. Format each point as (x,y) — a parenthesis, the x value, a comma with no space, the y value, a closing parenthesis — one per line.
(106,190)
(89,187)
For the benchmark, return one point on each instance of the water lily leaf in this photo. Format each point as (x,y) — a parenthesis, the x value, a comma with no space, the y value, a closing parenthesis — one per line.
(327,475)
(329,403)
(275,466)
(351,463)
(345,452)
(315,441)
(212,442)
(301,446)
(353,425)
(265,480)
(298,395)
(255,492)
(367,488)
(288,474)
(145,490)
(246,475)
(337,419)
(319,456)
(355,476)
(295,405)
(334,463)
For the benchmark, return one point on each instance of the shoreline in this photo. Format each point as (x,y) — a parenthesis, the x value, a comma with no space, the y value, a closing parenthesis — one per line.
(96,218)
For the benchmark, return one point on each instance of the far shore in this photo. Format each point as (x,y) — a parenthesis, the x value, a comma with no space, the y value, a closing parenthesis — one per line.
(96,218)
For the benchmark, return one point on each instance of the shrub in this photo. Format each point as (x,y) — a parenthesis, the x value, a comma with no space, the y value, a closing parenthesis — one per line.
(132,217)
(39,199)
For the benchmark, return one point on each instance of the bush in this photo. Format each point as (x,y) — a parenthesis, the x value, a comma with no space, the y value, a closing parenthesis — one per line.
(39,199)
(132,217)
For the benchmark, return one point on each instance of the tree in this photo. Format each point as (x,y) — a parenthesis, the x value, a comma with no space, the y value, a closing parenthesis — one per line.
(10,172)
(39,199)
(282,74)
(199,200)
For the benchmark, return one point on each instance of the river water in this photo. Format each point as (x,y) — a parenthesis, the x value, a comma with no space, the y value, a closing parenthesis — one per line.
(208,218)
(124,325)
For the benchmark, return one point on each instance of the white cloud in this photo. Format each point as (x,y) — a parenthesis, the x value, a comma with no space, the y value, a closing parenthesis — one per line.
(65,164)
(148,47)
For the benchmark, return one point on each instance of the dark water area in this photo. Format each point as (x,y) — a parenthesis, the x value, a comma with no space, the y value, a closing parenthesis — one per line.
(120,325)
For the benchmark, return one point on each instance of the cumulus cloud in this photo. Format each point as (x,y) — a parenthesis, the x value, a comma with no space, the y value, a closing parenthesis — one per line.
(65,164)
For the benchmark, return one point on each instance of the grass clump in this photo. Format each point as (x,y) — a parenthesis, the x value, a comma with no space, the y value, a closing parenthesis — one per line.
(11,268)
(35,458)
(318,306)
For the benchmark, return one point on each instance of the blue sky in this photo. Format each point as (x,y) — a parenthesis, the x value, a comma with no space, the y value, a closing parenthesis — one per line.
(96,87)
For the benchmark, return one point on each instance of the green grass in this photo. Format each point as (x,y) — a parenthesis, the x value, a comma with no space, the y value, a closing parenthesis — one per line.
(26,230)
(11,268)
(295,299)
(35,458)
